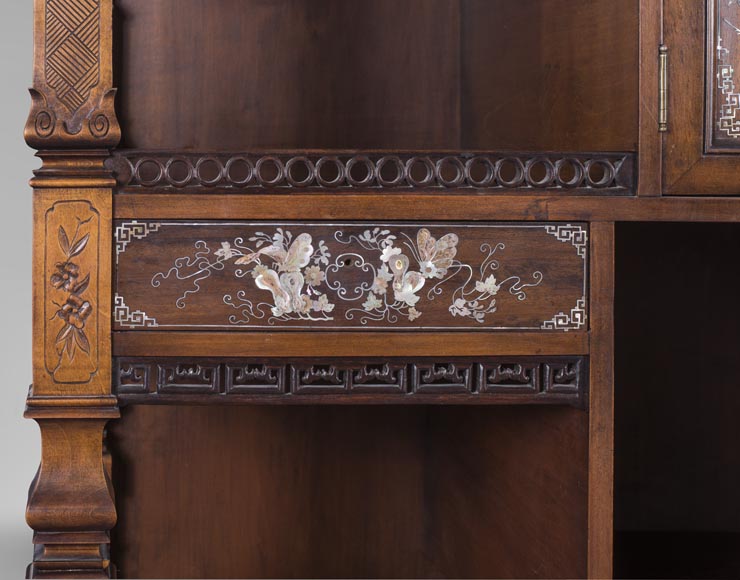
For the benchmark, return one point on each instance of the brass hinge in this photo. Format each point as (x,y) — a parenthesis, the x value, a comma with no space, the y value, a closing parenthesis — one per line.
(663,90)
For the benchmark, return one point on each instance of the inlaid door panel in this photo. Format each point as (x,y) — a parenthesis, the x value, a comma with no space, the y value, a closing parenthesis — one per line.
(217,275)
(702,143)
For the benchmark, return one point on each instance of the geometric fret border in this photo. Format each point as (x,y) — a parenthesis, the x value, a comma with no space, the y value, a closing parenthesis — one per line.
(495,380)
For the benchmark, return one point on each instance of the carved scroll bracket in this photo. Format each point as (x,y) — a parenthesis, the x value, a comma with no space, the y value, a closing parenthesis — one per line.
(72,95)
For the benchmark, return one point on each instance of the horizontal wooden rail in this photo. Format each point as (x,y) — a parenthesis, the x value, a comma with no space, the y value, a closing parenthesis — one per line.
(347,344)
(432,206)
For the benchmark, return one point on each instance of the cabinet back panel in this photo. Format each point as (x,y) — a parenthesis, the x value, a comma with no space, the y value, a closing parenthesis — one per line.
(350,492)
(417,74)
(676,392)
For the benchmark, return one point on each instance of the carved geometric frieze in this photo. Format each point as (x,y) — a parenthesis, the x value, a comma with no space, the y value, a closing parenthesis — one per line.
(188,378)
(563,376)
(379,378)
(254,378)
(133,378)
(206,275)
(319,378)
(521,377)
(595,173)
(442,378)
(520,380)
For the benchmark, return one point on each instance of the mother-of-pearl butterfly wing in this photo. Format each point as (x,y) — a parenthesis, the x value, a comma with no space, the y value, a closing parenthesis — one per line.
(275,252)
(299,254)
(440,252)
(425,242)
(268,280)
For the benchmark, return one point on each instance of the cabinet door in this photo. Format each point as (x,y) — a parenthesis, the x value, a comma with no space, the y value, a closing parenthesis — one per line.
(702,145)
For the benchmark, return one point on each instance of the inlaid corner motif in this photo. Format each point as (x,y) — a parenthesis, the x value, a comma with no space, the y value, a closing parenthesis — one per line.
(724,98)
(71,322)
(383,276)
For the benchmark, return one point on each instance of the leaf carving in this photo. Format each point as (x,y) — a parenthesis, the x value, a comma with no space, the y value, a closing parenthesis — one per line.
(79,246)
(82,286)
(82,341)
(64,333)
(63,241)
(70,344)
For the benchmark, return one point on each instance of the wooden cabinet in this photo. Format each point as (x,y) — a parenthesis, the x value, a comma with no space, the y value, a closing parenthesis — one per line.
(327,288)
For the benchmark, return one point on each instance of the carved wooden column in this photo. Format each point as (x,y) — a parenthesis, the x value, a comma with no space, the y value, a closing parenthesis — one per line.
(73,125)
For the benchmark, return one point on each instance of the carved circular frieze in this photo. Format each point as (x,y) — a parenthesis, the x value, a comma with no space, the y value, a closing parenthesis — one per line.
(450,171)
(355,175)
(423,164)
(480,172)
(348,170)
(300,171)
(510,172)
(390,171)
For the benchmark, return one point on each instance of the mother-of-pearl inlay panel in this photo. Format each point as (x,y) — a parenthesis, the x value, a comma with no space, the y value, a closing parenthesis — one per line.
(339,276)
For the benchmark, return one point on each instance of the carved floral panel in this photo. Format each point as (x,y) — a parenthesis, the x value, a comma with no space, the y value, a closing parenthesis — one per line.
(339,276)
(71,331)
(723,86)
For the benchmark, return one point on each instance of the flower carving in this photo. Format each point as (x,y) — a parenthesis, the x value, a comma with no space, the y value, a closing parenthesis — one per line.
(66,276)
(75,310)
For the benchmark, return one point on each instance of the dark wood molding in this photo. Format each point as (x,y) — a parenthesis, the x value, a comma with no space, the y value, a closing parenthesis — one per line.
(490,381)
(567,173)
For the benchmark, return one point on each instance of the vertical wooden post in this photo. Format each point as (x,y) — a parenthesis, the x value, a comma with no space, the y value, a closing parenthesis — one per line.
(601,404)
(650,148)
(73,125)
